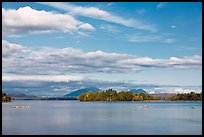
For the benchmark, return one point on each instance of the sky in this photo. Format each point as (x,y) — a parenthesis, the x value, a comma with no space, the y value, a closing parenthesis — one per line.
(121,45)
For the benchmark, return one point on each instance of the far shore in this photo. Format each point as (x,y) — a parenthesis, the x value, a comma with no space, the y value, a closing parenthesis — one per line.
(109,101)
(146,101)
(171,101)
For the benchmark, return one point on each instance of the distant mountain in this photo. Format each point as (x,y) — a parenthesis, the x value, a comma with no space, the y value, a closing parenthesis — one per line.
(137,91)
(20,95)
(80,91)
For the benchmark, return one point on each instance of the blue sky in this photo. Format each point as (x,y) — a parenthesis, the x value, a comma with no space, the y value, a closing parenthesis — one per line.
(139,42)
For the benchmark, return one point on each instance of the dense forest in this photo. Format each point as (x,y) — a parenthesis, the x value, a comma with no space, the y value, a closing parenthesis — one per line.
(113,95)
(5,98)
(187,97)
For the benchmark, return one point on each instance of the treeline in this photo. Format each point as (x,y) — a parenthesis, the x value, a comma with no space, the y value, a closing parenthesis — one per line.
(112,95)
(5,98)
(187,97)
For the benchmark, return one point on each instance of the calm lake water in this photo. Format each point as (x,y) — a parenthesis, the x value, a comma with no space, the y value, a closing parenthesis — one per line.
(106,118)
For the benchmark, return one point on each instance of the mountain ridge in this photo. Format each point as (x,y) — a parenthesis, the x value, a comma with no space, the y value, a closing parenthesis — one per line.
(137,91)
(80,91)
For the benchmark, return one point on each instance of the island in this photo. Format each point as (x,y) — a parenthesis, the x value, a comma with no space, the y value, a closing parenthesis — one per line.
(113,95)
(5,97)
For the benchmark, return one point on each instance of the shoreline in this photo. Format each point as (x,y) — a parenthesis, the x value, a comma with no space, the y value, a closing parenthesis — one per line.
(144,101)
(111,101)
(172,101)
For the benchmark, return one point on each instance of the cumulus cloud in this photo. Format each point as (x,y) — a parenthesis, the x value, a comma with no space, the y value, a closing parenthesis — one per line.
(99,14)
(54,61)
(171,63)
(10,49)
(26,19)
(47,78)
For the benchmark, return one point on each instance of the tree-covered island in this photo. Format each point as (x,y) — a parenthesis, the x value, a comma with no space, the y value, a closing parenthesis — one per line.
(113,95)
(5,98)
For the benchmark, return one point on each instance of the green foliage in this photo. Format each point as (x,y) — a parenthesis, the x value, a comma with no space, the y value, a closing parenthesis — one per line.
(100,96)
(5,98)
(122,96)
(112,95)
(129,96)
(137,97)
(187,97)
(144,96)
(81,97)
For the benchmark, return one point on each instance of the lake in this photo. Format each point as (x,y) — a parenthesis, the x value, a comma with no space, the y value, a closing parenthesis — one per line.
(71,117)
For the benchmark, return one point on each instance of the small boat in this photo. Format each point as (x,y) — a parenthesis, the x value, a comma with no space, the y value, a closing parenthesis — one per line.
(193,107)
(145,106)
(21,106)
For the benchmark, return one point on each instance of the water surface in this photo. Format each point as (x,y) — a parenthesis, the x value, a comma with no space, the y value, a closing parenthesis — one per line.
(101,118)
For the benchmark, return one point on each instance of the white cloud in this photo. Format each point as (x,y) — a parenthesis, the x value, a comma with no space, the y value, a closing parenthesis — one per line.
(161,5)
(151,92)
(172,63)
(10,49)
(86,26)
(138,38)
(186,48)
(181,90)
(26,19)
(143,38)
(110,28)
(96,13)
(176,89)
(167,40)
(82,34)
(185,62)
(110,4)
(15,36)
(48,78)
(52,61)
